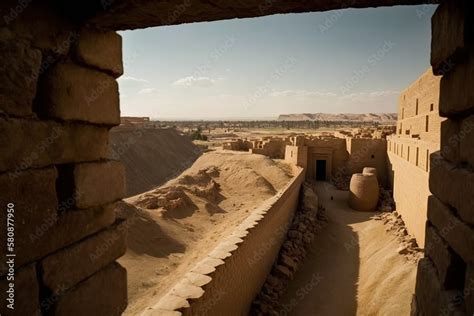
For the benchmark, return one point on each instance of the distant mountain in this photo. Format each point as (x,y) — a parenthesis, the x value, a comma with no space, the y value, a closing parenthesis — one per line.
(347,117)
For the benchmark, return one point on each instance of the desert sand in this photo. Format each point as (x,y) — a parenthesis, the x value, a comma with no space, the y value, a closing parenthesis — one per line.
(151,156)
(175,225)
(352,268)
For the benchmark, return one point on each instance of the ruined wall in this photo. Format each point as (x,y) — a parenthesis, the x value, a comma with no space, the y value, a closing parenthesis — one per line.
(332,148)
(297,155)
(445,276)
(418,109)
(365,152)
(58,100)
(409,150)
(238,145)
(133,120)
(226,282)
(273,148)
(408,176)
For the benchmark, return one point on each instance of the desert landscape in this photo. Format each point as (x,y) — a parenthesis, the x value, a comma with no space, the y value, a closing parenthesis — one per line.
(174,225)
(166,158)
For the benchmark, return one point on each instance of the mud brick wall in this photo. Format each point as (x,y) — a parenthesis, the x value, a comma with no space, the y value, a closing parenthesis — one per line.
(58,100)
(445,278)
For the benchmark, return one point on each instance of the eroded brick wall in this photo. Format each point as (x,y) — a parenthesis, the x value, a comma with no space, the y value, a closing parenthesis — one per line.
(58,100)
(445,278)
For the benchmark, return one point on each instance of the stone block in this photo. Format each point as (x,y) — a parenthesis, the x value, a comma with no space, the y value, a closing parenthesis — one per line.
(70,227)
(19,69)
(104,293)
(450,140)
(450,267)
(451,29)
(71,265)
(74,93)
(33,194)
(453,185)
(456,92)
(32,144)
(48,29)
(427,289)
(469,289)
(431,298)
(101,50)
(457,234)
(466,136)
(26,293)
(98,183)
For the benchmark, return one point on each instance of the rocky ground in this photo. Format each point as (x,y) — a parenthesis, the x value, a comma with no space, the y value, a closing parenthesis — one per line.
(408,245)
(308,221)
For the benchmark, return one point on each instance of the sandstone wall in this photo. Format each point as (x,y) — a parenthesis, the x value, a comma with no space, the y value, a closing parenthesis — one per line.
(364,152)
(58,99)
(418,109)
(410,183)
(331,148)
(445,277)
(226,282)
(273,148)
(409,150)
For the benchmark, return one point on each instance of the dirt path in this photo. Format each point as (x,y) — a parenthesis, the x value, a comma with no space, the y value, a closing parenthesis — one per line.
(352,268)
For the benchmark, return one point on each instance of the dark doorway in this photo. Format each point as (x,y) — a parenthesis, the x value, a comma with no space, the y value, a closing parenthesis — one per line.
(320,170)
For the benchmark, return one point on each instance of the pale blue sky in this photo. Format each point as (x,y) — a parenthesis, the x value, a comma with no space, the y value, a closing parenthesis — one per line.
(353,61)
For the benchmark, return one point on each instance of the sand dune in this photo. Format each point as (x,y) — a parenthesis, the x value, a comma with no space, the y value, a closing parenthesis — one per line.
(173,226)
(151,156)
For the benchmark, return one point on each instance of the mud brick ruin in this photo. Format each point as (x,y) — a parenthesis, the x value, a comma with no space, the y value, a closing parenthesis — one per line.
(59,99)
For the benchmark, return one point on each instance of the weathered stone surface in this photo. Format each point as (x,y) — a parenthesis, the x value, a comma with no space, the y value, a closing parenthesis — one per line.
(187,290)
(456,93)
(33,194)
(104,293)
(102,50)
(453,185)
(26,293)
(70,227)
(466,136)
(450,32)
(450,140)
(469,289)
(19,68)
(74,93)
(431,298)
(69,266)
(45,143)
(447,263)
(198,279)
(38,22)
(458,235)
(98,183)
(141,13)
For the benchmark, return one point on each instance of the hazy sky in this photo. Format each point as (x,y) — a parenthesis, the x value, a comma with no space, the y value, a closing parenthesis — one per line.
(355,60)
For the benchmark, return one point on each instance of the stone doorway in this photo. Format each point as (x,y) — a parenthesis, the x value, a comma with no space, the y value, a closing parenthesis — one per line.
(320,170)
